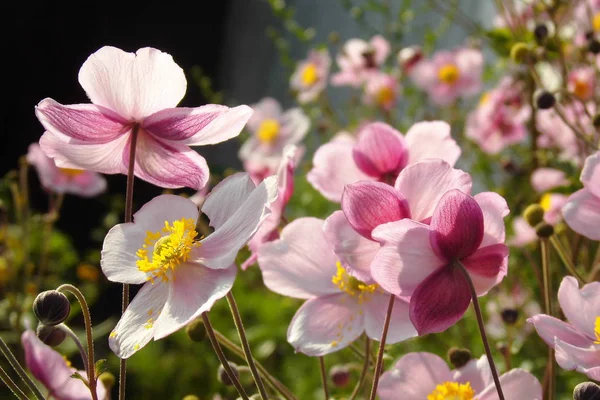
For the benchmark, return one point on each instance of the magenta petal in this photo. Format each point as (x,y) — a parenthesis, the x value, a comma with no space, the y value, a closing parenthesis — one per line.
(380,150)
(370,204)
(439,301)
(457,226)
(582,213)
(487,266)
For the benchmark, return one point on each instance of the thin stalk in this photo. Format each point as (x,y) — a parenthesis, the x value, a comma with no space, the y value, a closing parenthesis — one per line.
(215,344)
(19,369)
(90,368)
(548,309)
(324,377)
(379,365)
(237,318)
(75,339)
(566,259)
(478,314)
(365,369)
(12,386)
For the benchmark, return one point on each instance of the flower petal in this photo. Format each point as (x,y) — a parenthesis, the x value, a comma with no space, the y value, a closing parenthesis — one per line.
(431,139)
(476,372)
(517,384)
(549,328)
(580,306)
(571,357)
(326,324)
(590,175)
(118,257)
(375,312)
(267,108)
(380,150)
(236,189)
(487,267)
(494,210)
(582,213)
(164,208)
(545,179)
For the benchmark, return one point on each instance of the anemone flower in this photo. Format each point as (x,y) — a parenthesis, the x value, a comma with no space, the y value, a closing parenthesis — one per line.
(358,59)
(182,276)
(545,179)
(310,77)
(381,90)
(136,92)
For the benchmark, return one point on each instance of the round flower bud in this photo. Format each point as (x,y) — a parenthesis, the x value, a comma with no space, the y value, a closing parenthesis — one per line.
(533,214)
(195,330)
(586,391)
(519,53)
(510,316)
(107,379)
(50,335)
(191,397)
(224,378)
(541,33)
(339,375)
(544,230)
(596,120)
(51,307)
(459,357)
(594,46)
(544,99)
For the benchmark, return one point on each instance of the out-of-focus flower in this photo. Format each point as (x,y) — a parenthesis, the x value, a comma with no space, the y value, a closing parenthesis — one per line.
(54,371)
(309,262)
(420,376)
(576,343)
(449,75)
(582,82)
(381,90)
(136,91)
(182,276)
(64,180)
(378,154)
(310,77)
(524,233)
(271,130)
(408,57)
(499,119)
(515,15)
(544,179)
(582,209)
(87,272)
(358,59)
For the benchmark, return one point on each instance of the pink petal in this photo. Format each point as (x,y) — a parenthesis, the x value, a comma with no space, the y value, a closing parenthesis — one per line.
(193,290)
(585,360)
(166,207)
(494,210)
(590,175)
(87,184)
(326,324)
(45,167)
(235,188)
(198,126)
(301,263)
(487,267)
(523,233)
(294,127)
(431,139)
(545,179)
(405,258)
(133,85)
(382,48)
(439,301)
(549,328)
(516,384)
(476,372)
(375,309)
(423,184)
(456,226)
(582,213)
(370,204)
(580,306)
(415,376)
(380,150)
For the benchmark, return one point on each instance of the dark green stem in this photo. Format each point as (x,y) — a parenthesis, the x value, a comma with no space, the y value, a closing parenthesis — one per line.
(545,247)
(324,377)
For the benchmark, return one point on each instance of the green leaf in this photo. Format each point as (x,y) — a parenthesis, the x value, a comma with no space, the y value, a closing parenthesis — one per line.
(99,367)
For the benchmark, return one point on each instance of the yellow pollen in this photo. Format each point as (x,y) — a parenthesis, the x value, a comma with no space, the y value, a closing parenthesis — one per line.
(351,285)
(581,89)
(384,96)
(268,131)
(149,324)
(546,202)
(448,74)
(136,347)
(67,361)
(597,330)
(596,22)
(309,74)
(71,173)
(452,391)
(113,334)
(484,98)
(169,250)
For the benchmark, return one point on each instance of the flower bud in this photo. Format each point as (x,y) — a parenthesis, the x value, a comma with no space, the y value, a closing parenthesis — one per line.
(594,46)
(459,357)
(544,99)
(544,230)
(222,374)
(596,120)
(339,375)
(107,379)
(50,335)
(533,214)
(510,316)
(51,307)
(586,391)
(541,33)
(191,397)
(519,53)
(195,330)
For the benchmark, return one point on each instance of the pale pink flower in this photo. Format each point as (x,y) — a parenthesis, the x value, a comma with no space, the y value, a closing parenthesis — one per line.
(327,263)
(136,90)
(449,75)
(271,131)
(51,369)
(64,180)
(379,153)
(310,77)
(582,82)
(523,233)
(408,57)
(182,276)
(381,90)
(575,342)
(419,376)
(544,179)
(582,209)
(358,59)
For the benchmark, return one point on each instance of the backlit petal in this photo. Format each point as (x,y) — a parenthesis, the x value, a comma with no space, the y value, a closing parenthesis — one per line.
(380,150)
(580,306)
(582,213)
(401,328)
(494,210)
(431,139)
(590,175)
(235,189)
(516,384)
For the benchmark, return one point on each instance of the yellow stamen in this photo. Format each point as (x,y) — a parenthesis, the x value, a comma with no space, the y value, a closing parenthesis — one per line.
(448,74)
(71,173)
(351,285)
(581,89)
(452,391)
(67,361)
(596,22)
(546,202)
(309,74)
(597,330)
(384,96)
(268,131)
(169,250)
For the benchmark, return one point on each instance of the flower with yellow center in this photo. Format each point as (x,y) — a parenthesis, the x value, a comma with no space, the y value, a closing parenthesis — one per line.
(597,330)
(70,172)
(309,75)
(452,391)
(349,284)
(485,98)
(268,131)
(448,74)
(581,89)
(384,96)
(596,22)
(546,202)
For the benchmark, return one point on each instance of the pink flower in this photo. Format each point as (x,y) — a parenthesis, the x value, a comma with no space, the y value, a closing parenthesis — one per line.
(582,82)
(582,209)
(523,233)
(408,57)
(419,376)
(53,371)
(450,75)
(418,260)
(378,154)
(310,77)
(381,90)
(544,179)
(327,263)
(271,130)
(576,342)
(64,180)
(129,90)
(358,59)
(182,276)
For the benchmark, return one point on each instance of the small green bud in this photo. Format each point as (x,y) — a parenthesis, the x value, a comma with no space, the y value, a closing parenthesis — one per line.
(107,379)
(544,230)
(51,307)
(196,331)
(533,214)
(459,357)
(586,391)
(50,335)
(191,397)
(520,52)
(223,377)
(339,375)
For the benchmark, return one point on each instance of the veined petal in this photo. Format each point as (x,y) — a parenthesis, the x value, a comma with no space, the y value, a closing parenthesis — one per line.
(431,139)
(375,308)
(494,210)
(164,208)
(476,372)
(380,150)
(487,267)
(235,189)
(517,384)
(590,175)
(549,328)
(581,306)
(118,257)
(582,213)
(571,357)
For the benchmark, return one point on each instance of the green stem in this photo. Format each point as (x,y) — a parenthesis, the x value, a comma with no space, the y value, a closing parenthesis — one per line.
(365,369)
(324,377)
(12,360)
(548,309)
(12,385)
(379,365)
(566,259)
(75,339)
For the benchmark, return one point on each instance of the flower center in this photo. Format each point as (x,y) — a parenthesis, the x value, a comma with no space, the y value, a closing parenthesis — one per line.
(546,202)
(171,247)
(581,89)
(268,131)
(596,22)
(452,391)
(448,74)
(309,74)
(597,330)
(71,173)
(384,96)
(485,98)
(349,284)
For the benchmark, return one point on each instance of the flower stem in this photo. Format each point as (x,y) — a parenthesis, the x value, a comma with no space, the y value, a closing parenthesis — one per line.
(90,369)
(246,346)
(324,377)
(379,365)
(481,325)
(363,373)
(75,339)
(566,259)
(215,344)
(12,385)
(19,369)
(548,309)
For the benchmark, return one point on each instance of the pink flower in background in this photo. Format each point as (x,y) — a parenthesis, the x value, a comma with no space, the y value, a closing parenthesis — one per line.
(310,77)
(499,119)
(417,260)
(271,130)
(64,180)
(379,153)
(358,59)
(420,376)
(51,369)
(449,75)
(381,90)
(582,82)
(582,208)
(182,276)
(544,179)
(327,263)
(575,342)
(523,233)
(136,90)
(408,57)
